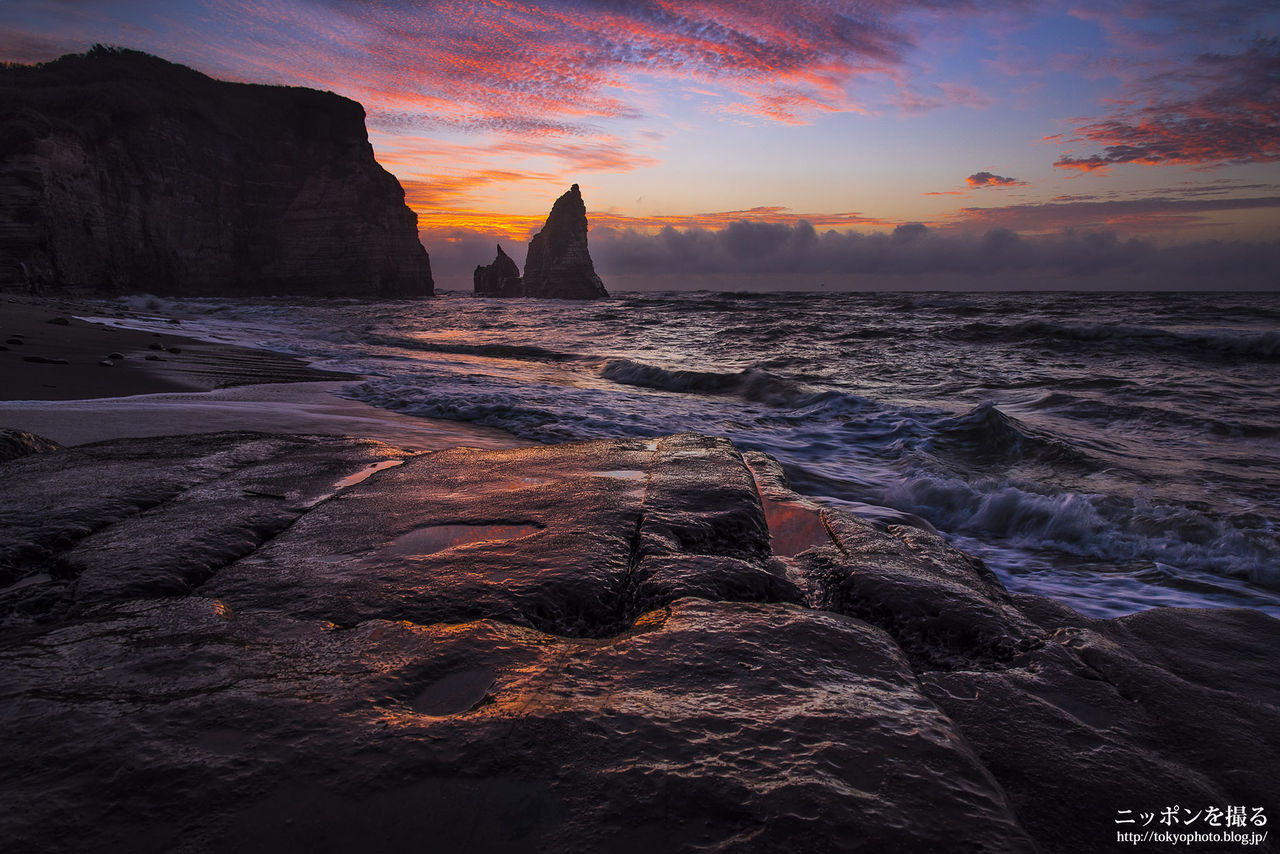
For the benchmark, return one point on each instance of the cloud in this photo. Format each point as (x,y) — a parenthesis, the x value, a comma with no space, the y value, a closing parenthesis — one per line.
(947,94)
(1222,108)
(1141,25)
(450,224)
(1129,215)
(978,180)
(765,215)
(782,255)
(560,67)
(526,67)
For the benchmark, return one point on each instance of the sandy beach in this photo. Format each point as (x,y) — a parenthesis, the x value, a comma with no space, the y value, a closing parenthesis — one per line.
(55,382)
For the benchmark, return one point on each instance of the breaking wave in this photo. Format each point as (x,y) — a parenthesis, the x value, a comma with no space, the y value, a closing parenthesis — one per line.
(753,384)
(1098,527)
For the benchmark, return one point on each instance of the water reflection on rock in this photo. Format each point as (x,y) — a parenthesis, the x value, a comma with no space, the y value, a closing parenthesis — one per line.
(517,650)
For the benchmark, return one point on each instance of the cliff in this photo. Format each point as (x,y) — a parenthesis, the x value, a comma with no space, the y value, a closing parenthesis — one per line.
(499,279)
(124,172)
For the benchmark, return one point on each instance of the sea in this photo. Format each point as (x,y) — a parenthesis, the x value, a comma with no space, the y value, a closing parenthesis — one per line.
(1115,451)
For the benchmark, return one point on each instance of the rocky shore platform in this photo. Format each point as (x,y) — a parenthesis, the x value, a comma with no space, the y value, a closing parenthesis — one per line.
(268,642)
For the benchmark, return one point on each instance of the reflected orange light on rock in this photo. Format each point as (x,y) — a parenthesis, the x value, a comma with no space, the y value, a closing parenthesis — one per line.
(793,528)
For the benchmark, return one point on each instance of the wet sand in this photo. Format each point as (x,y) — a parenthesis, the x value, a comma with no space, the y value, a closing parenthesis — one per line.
(52,383)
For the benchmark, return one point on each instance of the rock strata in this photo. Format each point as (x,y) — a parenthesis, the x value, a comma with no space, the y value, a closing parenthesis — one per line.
(123,172)
(291,643)
(499,279)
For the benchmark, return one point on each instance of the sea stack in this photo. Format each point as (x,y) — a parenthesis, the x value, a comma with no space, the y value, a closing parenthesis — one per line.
(123,172)
(499,279)
(558,265)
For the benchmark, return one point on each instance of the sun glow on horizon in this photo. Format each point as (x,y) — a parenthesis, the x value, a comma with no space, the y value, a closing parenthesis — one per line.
(858,118)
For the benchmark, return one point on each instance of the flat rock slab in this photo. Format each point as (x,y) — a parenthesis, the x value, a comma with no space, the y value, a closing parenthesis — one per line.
(248,642)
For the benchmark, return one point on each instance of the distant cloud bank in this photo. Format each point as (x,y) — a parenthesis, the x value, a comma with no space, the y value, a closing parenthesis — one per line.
(912,256)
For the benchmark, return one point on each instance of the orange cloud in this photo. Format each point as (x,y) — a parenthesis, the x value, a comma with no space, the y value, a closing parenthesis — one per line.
(443,223)
(441,178)
(978,180)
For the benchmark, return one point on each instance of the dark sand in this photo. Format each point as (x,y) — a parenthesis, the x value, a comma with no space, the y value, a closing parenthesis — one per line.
(202,388)
(26,332)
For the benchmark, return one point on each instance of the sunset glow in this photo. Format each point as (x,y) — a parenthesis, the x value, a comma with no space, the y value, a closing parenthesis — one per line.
(1145,120)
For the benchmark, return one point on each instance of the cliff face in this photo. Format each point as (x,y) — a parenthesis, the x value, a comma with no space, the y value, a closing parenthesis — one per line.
(499,279)
(124,172)
(559,265)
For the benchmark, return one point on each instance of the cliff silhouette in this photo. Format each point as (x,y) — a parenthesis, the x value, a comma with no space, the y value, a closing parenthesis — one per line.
(121,171)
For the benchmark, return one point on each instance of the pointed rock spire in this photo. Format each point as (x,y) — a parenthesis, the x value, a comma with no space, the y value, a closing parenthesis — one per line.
(558,265)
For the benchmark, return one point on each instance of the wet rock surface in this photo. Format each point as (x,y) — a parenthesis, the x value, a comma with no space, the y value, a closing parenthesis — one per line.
(120,171)
(281,643)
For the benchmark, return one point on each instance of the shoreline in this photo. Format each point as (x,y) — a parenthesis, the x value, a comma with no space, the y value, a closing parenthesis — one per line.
(51,354)
(303,408)
(172,384)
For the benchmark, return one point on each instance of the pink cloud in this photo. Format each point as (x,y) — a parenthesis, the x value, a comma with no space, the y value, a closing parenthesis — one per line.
(1223,108)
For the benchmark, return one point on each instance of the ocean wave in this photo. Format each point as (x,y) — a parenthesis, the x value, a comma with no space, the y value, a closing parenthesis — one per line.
(1164,396)
(986,436)
(1260,344)
(754,384)
(1108,412)
(869,333)
(1094,526)
(521,352)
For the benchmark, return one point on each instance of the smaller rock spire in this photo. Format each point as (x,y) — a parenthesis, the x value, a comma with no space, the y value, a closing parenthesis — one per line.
(499,279)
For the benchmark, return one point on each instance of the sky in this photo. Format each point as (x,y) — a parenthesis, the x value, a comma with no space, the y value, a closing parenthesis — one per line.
(748,144)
